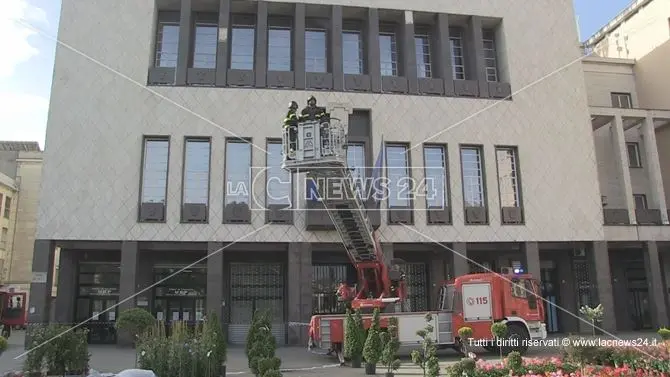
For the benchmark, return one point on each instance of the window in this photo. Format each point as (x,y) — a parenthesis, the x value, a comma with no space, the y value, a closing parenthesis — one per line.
(204,49)
(457,55)
(490,55)
(3,238)
(508,176)
(640,201)
(519,289)
(1,197)
(315,50)
(398,175)
(279,46)
(472,171)
(622,100)
(278,180)
(352,52)
(243,43)
(435,160)
(238,172)
(388,53)
(196,171)
(356,163)
(167,44)
(634,158)
(423,61)
(155,170)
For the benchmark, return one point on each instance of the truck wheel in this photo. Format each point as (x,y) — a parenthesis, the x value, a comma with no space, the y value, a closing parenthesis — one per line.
(519,339)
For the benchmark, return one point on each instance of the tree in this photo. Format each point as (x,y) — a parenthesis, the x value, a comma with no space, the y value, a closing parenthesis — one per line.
(499,331)
(593,314)
(353,341)
(426,357)
(390,344)
(372,349)
(135,321)
(261,345)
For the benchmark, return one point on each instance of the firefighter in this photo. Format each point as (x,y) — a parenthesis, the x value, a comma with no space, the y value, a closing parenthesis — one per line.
(314,113)
(291,123)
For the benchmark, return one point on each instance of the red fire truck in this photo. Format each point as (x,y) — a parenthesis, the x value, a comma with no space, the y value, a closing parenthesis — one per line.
(12,311)
(318,147)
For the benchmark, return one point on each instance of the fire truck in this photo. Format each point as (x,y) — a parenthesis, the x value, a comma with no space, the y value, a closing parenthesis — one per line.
(12,312)
(317,148)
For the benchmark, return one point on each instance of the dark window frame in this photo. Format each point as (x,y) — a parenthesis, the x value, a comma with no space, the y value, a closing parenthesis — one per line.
(7,213)
(425,34)
(484,189)
(165,19)
(638,156)
(209,175)
(447,173)
(247,22)
(208,20)
(408,167)
(643,197)
(489,35)
(284,23)
(390,30)
(518,178)
(355,27)
(240,140)
(276,141)
(319,25)
(145,139)
(458,33)
(616,99)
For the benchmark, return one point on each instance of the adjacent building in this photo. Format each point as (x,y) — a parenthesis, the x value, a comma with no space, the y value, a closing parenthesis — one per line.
(172,159)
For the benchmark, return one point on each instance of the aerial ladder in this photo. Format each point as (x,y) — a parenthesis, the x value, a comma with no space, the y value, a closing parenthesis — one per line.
(318,149)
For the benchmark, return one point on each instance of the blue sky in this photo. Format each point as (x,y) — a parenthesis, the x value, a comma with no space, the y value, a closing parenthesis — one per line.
(25,75)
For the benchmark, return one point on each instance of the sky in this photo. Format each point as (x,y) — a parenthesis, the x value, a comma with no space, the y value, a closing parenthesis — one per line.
(25,74)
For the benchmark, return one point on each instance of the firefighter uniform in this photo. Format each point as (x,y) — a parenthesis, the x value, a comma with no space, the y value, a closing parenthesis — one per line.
(291,124)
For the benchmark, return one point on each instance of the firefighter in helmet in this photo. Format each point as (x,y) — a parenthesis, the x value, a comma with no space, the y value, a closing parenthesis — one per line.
(291,124)
(312,112)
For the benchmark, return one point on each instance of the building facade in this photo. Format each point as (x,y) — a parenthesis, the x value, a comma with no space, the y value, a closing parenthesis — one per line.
(172,159)
(20,164)
(8,191)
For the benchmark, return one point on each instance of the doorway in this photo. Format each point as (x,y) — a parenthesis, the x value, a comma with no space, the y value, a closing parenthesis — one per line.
(550,283)
(102,313)
(638,302)
(187,309)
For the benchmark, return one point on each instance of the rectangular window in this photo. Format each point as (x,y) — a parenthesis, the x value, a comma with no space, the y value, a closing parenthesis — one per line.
(490,55)
(435,168)
(634,158)
(473,181)
(315,50)
(397,165)
(196,171)
(508,176)
(457,53)
(356,163)
(622,100)
(352,52)
(279,46)
(204,48)
(3,238)
(1,197)
(388,53)
(640,201)
(238,172)
(154,170)
(278,180)
(167,44)
(423,58)
(243,42)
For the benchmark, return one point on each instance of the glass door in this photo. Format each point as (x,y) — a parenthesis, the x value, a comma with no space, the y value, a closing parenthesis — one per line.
(174,310)
(102,324)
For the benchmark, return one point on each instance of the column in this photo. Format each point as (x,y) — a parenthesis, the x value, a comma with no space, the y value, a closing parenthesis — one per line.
(568,321)
(222,43)
(39,306)
(336,47)
(459,259)
(654,168)
(299,46)
(129,262)
(373,63)
(409,53)
(299,291)
(659,316)
(532,251)
(621,156)
(604,281)
(66,287)
(215,276)
(476,62)
(261,53)
(438,274)
(184,49)
(443,45)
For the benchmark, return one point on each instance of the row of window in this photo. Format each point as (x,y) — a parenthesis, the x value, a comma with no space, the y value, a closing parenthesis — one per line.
(240,176)
(280,47)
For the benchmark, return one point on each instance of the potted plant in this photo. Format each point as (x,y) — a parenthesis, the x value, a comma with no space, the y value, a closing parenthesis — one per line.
(372,348)
(390,344)
(3,345)
(426,357)
(135,321)
(261,345)
(465,333)
(214,346)
(77,361)
(499,331)
(353,341)
(35,359)
(593,315)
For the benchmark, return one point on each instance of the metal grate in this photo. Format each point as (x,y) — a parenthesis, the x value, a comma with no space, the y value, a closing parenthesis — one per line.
(585,289)
(325,279)
(417,286)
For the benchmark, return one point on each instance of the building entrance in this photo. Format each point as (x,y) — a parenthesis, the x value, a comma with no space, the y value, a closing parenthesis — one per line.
(182,297)
(97,296)
(550,285)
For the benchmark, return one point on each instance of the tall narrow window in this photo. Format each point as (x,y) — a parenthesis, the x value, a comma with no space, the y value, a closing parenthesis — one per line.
(423,58)
(356,163)
(204,49)
(196,180)
(388,53)
(238,180)
(352,52)
(473,182)
(279,45)
(399,183)
(315,50)
(457,54)
(8,206)
(278,180)
(243,42)
(508,177)
(634,158)
(640,201)
(167,44)
(3,238)
(490,55)
(154,179)
(436,176)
